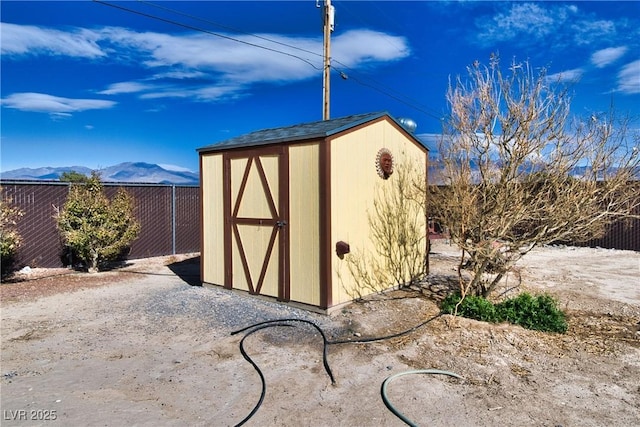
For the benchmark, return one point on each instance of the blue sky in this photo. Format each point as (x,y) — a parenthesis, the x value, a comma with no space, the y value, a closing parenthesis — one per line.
(88,84)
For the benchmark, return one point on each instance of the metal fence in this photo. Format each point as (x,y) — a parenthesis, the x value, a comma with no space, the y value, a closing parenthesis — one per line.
(624,234)
(169,217)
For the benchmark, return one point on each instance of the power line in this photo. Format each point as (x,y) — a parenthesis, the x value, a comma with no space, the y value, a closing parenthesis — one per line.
(407,101)
(191,27)
(226,27)
(432,113)
(388,92)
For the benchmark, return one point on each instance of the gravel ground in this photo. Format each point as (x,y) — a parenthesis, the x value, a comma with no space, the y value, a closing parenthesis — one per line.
(143,346)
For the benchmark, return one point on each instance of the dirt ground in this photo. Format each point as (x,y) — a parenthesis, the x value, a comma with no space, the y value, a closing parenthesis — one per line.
(142,346)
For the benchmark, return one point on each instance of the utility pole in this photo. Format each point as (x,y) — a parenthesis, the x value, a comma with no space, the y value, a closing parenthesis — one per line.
(329,19)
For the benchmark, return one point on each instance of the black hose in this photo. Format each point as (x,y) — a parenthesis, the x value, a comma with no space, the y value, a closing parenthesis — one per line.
(383,390)
(279,322)
(386,337)
(282,322)
(269,324)
(264,384)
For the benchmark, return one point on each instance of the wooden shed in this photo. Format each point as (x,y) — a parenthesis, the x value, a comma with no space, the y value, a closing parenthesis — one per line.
(280,205)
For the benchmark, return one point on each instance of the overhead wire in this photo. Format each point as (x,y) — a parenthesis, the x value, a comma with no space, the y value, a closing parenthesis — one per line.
(391,93)
(377,86)
(410,103)
(194,28)
(226,27)
(431,113)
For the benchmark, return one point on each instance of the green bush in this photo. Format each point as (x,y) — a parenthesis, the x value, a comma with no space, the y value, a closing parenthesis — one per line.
(95,228)
(538,313)
(10,239)
(472,307)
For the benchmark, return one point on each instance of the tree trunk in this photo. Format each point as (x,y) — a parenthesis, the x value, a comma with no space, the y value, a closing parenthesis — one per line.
(93,263)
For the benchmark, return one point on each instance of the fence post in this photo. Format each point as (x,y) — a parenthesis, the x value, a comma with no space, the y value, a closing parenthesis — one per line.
(173,219)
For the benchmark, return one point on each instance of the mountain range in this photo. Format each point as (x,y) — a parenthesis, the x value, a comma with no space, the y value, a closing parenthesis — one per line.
(130,172)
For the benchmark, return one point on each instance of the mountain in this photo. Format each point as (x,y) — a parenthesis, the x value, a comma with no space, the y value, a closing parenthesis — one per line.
(130,172)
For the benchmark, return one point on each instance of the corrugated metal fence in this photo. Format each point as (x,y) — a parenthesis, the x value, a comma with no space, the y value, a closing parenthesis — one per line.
(624,234)
(169,216)
(170,221)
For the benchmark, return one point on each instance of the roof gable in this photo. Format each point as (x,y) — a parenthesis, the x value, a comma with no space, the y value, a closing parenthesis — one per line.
(300,132)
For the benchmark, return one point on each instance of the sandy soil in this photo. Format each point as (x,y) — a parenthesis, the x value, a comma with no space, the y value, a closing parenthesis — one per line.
(142,346)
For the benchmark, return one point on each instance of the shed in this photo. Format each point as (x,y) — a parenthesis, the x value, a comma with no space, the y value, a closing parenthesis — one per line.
(280,206)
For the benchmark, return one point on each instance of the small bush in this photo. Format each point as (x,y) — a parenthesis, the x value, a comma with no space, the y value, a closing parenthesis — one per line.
(10,240)
(472,307)
(538,313)
(97,229)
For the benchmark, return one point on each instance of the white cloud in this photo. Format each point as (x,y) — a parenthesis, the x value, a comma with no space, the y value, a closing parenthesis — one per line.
(554,24)
(629,78)
(566,76)
(522,18)
(180,75)
(207,67)
(31,40)
(124,87)
(174,168)
(241,62)
(359,46)
(218,92)
(43,103)
(432,141)
(203,94)
(604,57)
(586,31)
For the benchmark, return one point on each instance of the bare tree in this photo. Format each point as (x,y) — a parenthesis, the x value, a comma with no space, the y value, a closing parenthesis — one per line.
(518,171)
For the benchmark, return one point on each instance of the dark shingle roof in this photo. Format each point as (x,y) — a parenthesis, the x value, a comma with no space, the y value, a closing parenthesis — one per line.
(304,131)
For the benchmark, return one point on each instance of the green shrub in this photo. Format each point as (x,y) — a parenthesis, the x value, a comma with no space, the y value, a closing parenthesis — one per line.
(538,313)
(95,228)
(472,307)
(9,238)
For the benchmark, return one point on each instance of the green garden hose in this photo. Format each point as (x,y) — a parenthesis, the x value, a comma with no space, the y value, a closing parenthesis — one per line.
(385,399)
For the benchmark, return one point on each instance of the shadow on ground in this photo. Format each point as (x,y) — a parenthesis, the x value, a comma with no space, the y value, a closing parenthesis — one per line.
(188,270)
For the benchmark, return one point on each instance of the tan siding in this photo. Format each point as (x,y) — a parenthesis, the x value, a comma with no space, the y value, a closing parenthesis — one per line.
(270,166)
(237,172)
(304,229)
(239,280)
(212,220)
(353,186)
(255,241)
(257,202)
(254,204)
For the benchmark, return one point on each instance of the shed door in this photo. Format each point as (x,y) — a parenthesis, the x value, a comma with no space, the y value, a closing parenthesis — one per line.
(256,199)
